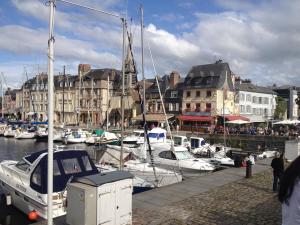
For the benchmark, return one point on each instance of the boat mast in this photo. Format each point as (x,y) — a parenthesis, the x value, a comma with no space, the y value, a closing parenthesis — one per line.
(224,126)
(63,99)
(2,101)
(92,103)
(164,110)
(107,103)
(123,94)
(50,111)
(143,70)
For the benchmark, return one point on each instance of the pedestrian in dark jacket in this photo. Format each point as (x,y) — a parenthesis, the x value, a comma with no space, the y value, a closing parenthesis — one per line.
(278,169)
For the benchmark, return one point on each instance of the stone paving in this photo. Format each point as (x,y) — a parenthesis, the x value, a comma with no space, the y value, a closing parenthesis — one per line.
(246,201)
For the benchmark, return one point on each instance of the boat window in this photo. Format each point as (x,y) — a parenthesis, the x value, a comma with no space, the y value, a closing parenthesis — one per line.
(56,170)
(86,163)
(182,155)
(162,154)
(71,165)
(202,142)
(36,176)
(177,140)
(194,143)
(153,135)
(22,165)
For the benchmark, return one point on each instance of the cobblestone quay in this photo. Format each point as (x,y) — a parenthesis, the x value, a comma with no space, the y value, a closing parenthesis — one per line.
(246,201)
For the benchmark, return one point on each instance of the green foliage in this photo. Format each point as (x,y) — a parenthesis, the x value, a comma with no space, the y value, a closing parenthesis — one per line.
(281,107)
(297,100)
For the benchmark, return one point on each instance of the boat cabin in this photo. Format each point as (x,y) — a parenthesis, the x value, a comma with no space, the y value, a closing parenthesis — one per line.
(180,140)
(197,142)
(157,135)
(67,164)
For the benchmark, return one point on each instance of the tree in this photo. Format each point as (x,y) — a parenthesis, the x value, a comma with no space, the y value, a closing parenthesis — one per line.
(297,100)
(281,107)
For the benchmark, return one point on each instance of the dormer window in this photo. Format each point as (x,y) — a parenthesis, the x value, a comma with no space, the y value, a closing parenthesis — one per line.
(188,94)
(174,94)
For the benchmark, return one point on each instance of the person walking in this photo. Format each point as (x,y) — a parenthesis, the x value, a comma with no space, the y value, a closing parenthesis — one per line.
(289,194)
(278,169)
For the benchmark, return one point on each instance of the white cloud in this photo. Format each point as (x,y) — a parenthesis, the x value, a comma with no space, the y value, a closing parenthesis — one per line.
(259,41)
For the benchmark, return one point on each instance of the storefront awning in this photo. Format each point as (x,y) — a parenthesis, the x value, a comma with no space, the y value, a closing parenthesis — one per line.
(236,117)
(153,117)
(196,118)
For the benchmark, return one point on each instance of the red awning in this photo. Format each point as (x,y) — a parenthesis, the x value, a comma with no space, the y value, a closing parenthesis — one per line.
(196,118)
(236,117)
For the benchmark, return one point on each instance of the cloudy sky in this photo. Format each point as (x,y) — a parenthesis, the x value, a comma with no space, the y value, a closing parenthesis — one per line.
(260,39)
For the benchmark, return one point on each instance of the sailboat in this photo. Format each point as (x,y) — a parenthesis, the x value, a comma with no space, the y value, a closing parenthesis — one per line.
(137,164)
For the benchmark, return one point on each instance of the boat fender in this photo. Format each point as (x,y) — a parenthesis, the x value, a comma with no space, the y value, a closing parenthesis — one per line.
(33,215)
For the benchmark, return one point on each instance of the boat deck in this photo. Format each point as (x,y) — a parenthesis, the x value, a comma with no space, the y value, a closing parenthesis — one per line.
(156,199)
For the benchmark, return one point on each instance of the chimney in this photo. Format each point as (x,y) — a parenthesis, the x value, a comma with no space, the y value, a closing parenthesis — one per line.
(174,79)
(83,69)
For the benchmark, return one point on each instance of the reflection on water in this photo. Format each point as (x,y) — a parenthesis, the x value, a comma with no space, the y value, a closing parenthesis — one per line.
(14,149)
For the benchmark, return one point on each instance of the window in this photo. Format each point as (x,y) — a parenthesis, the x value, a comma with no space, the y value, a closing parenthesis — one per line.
(71,166)
(266,112)
(208,93)
(197,107)
(242,97)
(167,155)
(248,98)
(22,165)
(254,99)
(242,108)
(36,176)
(87,164)
(174,94)
(266,100)
(177,107)
(260,100)
(194,143)
(208,107)
(170,107)
(248,109)
(188,94)
(56,170)
(188,105)
(158,106)
(197,93)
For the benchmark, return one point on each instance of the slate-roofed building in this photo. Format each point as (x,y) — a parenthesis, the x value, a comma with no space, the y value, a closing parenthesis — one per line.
(92,93)
(173,94)
(208,93)
(204,88)
(255,102)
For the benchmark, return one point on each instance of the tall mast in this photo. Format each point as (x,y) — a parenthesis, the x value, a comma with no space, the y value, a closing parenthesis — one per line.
(50,111)
(224,126)
(63,100)
(107,103)
(2,102)
(143,71)
(123,94)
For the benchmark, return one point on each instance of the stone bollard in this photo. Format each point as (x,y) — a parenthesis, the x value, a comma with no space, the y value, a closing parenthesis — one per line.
(248,169)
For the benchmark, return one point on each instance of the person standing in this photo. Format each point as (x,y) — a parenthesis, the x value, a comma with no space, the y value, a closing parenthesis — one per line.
(278,169)
(289,194)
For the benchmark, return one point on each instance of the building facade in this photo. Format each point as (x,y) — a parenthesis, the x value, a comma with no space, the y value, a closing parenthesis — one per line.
(255,102)
(208,90)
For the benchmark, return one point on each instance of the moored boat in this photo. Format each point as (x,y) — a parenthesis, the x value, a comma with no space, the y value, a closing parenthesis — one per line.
(26,181)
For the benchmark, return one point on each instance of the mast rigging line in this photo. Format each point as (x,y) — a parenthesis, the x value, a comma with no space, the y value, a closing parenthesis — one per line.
(92,9)
(163,107)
